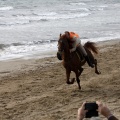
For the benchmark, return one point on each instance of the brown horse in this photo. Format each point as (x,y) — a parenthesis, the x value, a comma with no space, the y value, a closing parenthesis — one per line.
(72,61)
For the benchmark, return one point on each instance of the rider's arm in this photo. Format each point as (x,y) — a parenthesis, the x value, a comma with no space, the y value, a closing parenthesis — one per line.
(73,49)
(75,43)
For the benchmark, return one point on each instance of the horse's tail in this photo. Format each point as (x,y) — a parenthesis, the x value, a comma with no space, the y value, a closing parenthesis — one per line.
(91,46)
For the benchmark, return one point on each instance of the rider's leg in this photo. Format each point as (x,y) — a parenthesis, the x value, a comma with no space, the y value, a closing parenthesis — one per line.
(82,49)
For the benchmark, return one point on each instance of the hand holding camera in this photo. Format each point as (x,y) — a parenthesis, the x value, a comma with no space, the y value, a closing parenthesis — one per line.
(87,110)
(92,109)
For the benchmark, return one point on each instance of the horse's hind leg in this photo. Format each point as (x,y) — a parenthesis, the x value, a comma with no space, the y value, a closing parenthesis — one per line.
(94,61)
(68,77)
(96,70)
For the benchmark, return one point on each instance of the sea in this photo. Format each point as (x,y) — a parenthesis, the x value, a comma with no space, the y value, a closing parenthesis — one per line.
(31,28)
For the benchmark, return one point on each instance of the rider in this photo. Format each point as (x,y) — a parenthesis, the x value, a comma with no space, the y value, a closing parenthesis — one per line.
(75,41)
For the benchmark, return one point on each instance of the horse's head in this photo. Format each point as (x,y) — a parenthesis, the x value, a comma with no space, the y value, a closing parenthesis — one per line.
(62,45)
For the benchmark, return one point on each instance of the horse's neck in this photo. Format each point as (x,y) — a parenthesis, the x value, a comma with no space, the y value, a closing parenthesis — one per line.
(66,50)
(66,55)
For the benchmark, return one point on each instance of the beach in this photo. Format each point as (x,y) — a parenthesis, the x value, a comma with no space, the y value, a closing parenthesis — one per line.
(32,79)
(36,89)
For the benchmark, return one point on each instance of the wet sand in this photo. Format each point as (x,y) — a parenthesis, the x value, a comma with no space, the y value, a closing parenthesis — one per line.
(36,89)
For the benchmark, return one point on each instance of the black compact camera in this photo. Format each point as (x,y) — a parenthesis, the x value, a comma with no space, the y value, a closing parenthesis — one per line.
(92,109)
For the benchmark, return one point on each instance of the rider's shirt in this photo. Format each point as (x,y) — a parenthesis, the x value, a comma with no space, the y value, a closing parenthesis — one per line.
(73,35)
(75,40)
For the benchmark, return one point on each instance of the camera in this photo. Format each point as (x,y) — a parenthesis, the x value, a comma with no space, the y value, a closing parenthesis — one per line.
(92,109)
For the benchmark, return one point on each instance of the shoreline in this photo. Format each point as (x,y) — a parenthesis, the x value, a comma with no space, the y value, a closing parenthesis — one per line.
(21,64)
(48,53)
(36,89)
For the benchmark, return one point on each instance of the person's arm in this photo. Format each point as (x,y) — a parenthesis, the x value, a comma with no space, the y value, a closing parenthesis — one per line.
(73,49)
(105,111)
(112,118)
(81,112)
(74,45)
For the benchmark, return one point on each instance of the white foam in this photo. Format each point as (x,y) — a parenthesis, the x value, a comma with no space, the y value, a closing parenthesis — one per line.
(6,8)
(78,3)
(40,51)
(100,39)
(98,8)
(27,50)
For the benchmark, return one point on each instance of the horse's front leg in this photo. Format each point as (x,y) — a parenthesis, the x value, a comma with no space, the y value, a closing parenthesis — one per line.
(68,77)
(77,77)
(80,71)
(96,70)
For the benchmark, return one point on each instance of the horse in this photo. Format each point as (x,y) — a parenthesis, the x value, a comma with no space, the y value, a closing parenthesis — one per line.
(72,61)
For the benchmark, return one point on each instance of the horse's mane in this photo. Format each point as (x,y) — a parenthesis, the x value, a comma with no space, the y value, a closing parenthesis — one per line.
(63,36)
(66,41)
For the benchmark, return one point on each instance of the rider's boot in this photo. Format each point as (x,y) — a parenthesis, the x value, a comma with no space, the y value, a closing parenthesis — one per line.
(80,48)
(88,61)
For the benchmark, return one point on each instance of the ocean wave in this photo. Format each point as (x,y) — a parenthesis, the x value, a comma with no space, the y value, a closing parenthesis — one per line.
(17,50)
(6,8)
(80,9)
(40,42)
(17,44)
(98,8)
(77,3)
(45,14)
(27,19)
(2,46)
(14,23)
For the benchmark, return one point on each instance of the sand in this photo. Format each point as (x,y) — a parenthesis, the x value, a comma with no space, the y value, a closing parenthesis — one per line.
(36,89)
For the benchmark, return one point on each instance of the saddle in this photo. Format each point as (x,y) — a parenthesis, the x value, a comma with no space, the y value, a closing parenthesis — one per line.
(79,53)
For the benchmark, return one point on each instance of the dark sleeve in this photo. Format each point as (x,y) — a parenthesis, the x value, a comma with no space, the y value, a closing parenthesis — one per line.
(112,118)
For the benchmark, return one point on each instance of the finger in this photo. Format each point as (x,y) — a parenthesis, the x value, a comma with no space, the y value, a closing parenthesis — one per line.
(83,105)
(99,103)
(86,111)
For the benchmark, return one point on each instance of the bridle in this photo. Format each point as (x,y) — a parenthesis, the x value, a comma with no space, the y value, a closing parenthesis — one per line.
(63,48)
(60,45)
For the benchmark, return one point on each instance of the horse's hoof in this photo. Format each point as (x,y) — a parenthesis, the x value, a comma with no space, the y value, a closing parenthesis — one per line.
(73,80)
(68,82)
(98,72)
(80,88)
